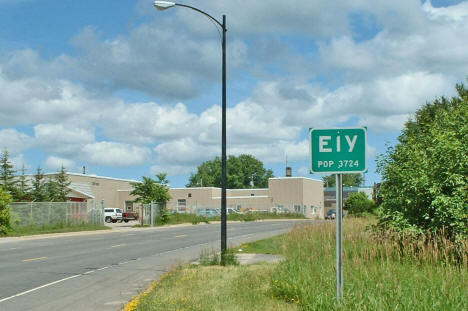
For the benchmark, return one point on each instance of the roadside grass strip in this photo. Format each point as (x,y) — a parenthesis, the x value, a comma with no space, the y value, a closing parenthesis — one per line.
(378,275)
(212,288)
(57,228)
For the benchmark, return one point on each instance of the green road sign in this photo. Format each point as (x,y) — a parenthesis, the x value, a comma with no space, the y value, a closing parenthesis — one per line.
(338,151)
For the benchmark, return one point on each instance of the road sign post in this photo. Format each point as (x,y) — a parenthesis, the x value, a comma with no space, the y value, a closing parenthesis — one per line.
(338,151)
(339,237)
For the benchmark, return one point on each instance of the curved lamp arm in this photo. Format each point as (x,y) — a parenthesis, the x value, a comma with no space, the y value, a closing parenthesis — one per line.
(164,5)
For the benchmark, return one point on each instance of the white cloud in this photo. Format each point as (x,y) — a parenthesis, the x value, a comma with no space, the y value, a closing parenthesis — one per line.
(144,123)
(14,141)
(55,164)
(383,104)
(62,139)
(19,161)
(115,154)
(170,62)
(28,101)
(455,13)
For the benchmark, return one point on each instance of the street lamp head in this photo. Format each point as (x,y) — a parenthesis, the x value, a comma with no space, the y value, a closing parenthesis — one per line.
(163,5)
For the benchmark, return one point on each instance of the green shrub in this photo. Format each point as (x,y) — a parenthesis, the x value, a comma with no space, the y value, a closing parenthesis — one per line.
(425,176)
(5,199)
(358,204)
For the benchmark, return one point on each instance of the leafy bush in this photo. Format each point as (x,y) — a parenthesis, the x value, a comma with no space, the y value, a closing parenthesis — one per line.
(425,176)
(358,204)
(5,199)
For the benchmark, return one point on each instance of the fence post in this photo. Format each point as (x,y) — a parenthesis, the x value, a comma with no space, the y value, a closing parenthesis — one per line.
(48,215)
(31,214)
(152,214)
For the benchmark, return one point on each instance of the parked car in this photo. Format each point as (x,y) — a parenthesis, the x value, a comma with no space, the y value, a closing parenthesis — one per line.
(207,212)
(128,215)
(232,211)
(331,214)
(112,215)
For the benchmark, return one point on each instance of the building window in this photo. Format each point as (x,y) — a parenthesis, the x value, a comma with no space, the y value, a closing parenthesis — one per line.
(129,205)
(297,208)
(95,183)
(181,205)
(189,195)
(252,194)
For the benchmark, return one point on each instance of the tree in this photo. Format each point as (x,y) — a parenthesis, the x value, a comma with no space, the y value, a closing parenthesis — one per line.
(38,192)
(7,174)
(244,171)
(5,199)
(62,183)
(358,203)
(349,180)
(150,190)
(51,191)
(23,187)
(425,176)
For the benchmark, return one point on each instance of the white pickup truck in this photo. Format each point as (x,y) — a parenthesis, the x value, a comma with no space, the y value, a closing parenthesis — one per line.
(112,214)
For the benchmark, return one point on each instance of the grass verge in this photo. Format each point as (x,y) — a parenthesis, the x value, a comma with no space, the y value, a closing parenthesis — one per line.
(274,245)
(231,288)
(377,276)
(57,228)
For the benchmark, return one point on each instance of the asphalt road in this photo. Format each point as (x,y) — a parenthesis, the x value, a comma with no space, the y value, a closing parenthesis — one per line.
(104,270)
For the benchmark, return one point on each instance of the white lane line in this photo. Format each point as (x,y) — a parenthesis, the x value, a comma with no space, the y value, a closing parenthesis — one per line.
(118,245)
(102,268)
(37,288)
(180,236)
(34,259)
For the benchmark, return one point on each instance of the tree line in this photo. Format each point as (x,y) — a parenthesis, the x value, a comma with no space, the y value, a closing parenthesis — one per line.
(38,188)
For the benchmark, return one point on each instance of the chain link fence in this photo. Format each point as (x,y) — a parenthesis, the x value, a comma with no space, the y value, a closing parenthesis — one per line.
(53,213)
(150,213)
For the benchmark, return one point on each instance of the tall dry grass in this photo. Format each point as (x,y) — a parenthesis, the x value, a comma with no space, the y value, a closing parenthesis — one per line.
(381,272)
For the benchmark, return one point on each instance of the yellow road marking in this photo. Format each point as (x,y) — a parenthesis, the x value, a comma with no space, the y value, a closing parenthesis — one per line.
(180,236)
(118,245)
(32,259)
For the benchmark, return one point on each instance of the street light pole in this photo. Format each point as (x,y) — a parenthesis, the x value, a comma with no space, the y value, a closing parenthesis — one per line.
(223,152)
(163,5)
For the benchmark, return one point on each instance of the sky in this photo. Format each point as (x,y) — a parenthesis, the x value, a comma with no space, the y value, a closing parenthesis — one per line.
(130,91)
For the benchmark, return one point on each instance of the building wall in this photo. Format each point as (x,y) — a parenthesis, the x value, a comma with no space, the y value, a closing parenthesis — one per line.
(314,198)
(297,194)
(107,192)
(194,197)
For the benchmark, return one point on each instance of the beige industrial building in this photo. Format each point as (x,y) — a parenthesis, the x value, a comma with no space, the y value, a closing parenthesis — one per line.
(293,194)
